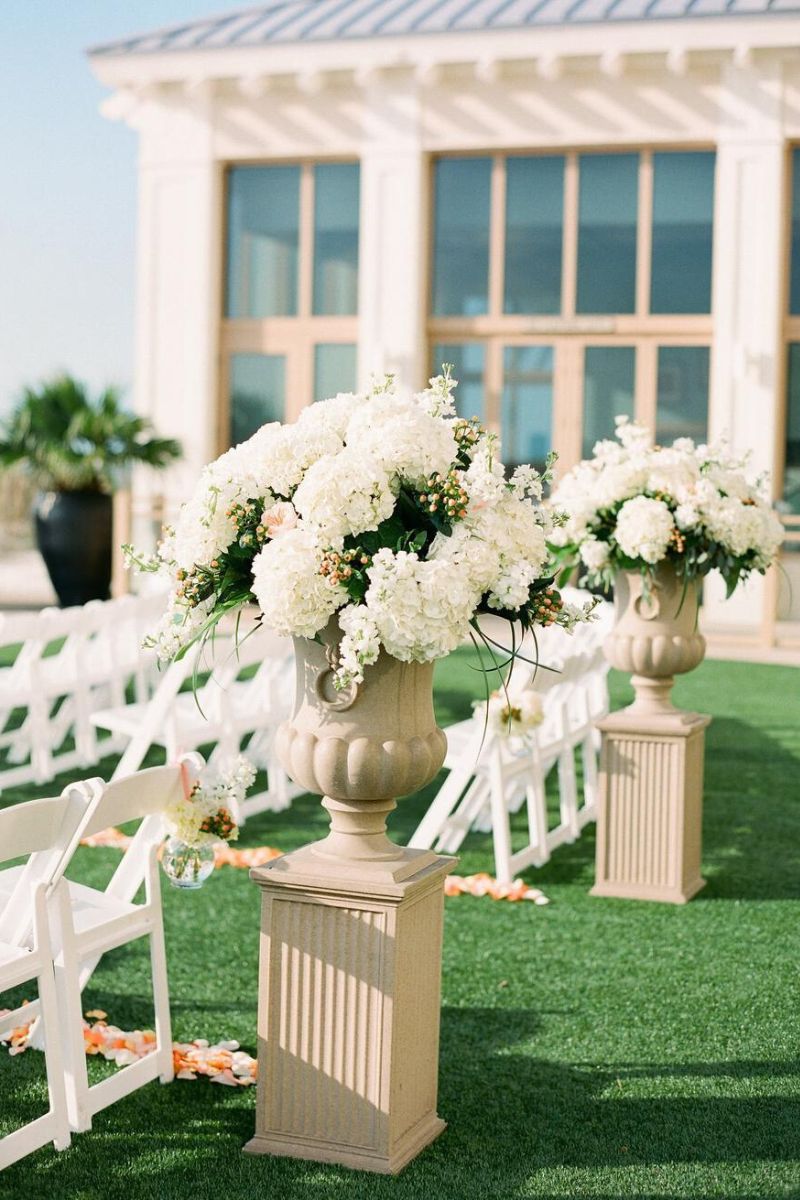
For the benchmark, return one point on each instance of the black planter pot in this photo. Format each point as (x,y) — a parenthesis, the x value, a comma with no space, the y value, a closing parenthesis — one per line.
(74,535)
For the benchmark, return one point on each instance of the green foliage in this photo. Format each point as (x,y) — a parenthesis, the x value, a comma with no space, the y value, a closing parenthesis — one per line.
(71,443)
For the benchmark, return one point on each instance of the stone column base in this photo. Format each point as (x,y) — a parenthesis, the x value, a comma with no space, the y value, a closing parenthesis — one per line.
(649,823)
(349,999)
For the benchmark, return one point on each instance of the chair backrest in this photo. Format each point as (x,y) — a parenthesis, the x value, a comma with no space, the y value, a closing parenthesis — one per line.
(141,796)
(48,832)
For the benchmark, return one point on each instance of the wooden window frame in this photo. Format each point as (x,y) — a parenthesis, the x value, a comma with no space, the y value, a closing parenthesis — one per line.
(567,332)
(294,337)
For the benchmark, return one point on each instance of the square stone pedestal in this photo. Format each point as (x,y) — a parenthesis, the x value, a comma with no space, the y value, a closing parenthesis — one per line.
(349,999)
(649,823)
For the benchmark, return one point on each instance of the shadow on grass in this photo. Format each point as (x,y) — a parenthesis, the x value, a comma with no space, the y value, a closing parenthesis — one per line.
(511,1116)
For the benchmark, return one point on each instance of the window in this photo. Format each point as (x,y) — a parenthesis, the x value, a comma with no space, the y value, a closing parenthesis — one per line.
(336,239)
(607,224)
(263,233)
(290,323)
(467,361)
(334,370)
(794,276)
(572,288)
(608,391)
(534,234)
(527,405)
(682,393)
(461,236)
(791,473)
(257,387)
(683,214)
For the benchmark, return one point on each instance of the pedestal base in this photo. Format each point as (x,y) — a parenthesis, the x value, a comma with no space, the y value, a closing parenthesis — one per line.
(649,823)
(349,998)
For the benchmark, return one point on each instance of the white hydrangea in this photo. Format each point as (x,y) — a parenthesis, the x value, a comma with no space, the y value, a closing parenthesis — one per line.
(346,493)
(332,416)
(686,517)
(294,597)
(742,528)
(421,609)
(644,529)
(397,433)
(595,554)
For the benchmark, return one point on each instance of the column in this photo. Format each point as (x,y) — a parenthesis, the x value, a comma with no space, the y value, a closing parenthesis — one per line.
(747,297)
(394,242)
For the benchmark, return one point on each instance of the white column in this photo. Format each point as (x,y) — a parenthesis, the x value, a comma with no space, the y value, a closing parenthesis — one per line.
(747,296)
(394,243)
(178,287)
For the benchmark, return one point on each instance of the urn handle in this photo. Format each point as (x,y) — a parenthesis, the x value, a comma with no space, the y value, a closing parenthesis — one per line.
(647,605)
(328,696)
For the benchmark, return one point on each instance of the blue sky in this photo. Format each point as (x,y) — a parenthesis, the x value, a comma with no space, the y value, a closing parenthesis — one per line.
(68,195)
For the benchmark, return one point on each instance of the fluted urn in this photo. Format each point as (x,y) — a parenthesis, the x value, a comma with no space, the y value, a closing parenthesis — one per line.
(655,635)
(360,748)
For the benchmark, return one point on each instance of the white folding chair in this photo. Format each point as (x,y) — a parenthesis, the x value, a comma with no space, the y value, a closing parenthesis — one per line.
(47,831)
(92,922)
(226,710)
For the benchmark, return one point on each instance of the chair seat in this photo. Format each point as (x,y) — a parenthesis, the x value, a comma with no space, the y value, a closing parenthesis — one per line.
(192,726)
(11,954)
(8,881)
(91,908)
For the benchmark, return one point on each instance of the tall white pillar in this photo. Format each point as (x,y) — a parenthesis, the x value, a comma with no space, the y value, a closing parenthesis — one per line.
(394,242)
(178,286)
(747,297)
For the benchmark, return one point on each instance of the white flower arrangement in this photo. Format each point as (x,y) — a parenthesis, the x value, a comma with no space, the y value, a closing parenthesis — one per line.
(386,508)
(512,716)
(635,505)
(205,815)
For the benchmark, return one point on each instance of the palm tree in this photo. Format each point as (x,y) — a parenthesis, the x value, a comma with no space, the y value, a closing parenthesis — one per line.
(72,444)
(77,449)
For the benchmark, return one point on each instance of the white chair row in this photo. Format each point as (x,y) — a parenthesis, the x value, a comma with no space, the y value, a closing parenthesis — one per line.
(246,695)
(491,775)
(66,664)
(79,671)
(52,930)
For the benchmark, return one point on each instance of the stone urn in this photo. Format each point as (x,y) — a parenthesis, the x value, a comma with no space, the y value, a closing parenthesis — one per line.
(360,748)
(351,928)
(655,636)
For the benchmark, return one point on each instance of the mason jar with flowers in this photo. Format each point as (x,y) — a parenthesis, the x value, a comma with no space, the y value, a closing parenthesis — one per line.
(202,818)
(652,521)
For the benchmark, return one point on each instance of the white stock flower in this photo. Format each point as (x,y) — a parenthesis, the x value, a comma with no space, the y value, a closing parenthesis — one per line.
(686,517)
(644,528)
(294,598)
(360,645)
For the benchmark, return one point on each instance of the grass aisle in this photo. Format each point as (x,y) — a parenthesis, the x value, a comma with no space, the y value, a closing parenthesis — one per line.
(592,1048)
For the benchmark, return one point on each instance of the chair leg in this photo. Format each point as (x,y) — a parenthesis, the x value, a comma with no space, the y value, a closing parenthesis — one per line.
(68,987)
(54,1062)
(501,825)
(158,966)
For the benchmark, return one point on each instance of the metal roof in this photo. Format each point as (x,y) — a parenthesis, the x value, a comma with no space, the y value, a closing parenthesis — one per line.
(331,20)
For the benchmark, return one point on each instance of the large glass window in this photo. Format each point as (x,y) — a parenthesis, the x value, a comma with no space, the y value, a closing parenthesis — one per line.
(257,391)
(791,474)
(794,276)
(607,223)
(467,360)
(683,216)
(534,234)
(336,238)
(608,391)
(263,234)
(682,393)
(527,404)
(334,369)
(461,236)
(290,324)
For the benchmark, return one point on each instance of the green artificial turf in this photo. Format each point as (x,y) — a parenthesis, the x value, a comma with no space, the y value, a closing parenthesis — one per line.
(591,1048)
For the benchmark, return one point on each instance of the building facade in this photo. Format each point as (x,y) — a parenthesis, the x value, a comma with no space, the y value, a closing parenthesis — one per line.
(587,206)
